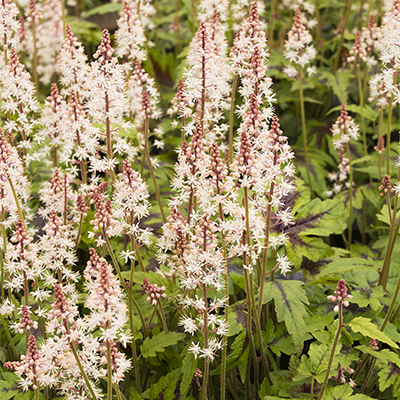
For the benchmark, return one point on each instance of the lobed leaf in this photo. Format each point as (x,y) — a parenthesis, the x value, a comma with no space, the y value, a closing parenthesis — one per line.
(368,329)
(164,388)
(289,297)
(158,343)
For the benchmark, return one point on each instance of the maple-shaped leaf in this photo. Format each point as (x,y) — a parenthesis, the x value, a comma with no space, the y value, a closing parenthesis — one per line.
(314,220)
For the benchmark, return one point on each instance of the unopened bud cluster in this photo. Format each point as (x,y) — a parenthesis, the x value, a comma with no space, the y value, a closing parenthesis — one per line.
(153,292)
(340,295)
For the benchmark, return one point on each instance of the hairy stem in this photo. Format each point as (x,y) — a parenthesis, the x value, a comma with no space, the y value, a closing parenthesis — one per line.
(153,176)
(389,123)
(134,350)
(350,198)
(82,371)
(231,115)
(330,361)
(122,281)
(304,131)
(10,341)
(109,372)
(341,39)
(108,134)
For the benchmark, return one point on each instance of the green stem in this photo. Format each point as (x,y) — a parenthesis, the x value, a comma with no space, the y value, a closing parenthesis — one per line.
(120,396)
(21,216)
(395,314)
(162,316)
(392,305)
(249,327)
(153,313)
(389,123)
(153,176)
(321,23)
(134,350)
(312,389)
(109,372)
(3,252)
(361,96)
(5,48)
(365,80)
(394,230)
(251,296)
(108,135)
(78,236)
(122,281)
(226,309)
(231,115)
(350,198)
(83,373)
(63,16)
(271,24)
(380,126)
(135,247)
(372,385)
(206,373)
(35,60)
(368,376)
(40,302)
(266,240)
(304,132)
(340,44)
(330,361)
(10,341)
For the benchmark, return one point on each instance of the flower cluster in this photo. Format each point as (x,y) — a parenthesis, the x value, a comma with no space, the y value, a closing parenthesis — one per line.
(298,49)
(130,36)
(73,65)
(344,129)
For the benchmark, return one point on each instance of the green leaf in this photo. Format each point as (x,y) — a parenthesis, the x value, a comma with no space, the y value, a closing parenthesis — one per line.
(274,337)
(317,322)
(384,215)
(368,297)
(103,9)
(7,390)
(338,83)
(164,387)
(28,396)
(322,218)
(134,395)
(389,375)
(188,369)
(341,392)
(314,218)
(3,355)
(316,361)
(158,343)
(312,248)
(339,267)
(289,297)
(235,326)
(384,355)
(368,329)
